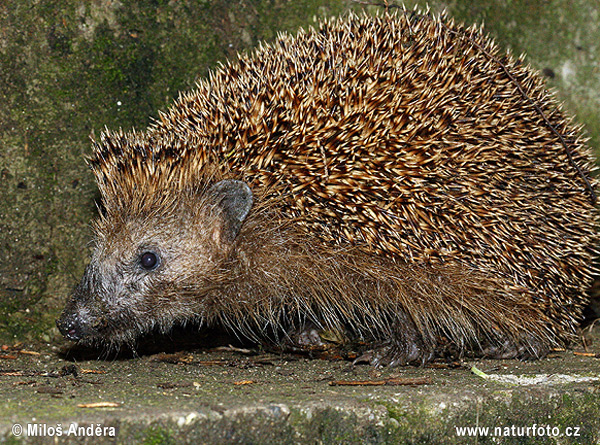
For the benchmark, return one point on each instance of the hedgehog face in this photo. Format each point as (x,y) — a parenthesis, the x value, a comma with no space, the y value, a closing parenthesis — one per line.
(146,267)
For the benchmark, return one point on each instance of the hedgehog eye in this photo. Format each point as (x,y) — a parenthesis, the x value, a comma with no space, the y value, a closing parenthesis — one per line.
(149,260)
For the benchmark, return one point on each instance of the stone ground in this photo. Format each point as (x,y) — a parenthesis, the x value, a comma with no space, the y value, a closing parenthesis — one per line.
(233,395)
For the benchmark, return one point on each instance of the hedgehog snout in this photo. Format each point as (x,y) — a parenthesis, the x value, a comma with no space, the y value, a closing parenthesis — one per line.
(70,326)
(82,315)
(76,321)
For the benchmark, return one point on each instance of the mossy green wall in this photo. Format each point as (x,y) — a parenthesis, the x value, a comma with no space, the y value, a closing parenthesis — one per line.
(68,68)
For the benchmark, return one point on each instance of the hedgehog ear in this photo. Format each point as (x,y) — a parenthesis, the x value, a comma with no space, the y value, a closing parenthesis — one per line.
(234,199)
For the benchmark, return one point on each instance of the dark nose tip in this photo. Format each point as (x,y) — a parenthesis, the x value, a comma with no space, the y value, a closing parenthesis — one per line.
(69,328)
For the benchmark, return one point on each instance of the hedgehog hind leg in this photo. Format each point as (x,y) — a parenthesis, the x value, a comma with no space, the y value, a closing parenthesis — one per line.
(395,354)
(402,346)
(410,349)
(527,348)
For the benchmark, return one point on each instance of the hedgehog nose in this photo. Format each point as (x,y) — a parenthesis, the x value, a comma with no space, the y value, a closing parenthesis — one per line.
(69,328)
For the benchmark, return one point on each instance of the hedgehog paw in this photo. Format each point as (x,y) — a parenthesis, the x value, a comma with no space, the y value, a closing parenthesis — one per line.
(532,350)
(393,355)
(306,337)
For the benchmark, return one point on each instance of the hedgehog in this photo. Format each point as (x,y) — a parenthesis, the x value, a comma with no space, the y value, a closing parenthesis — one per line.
(394,179)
